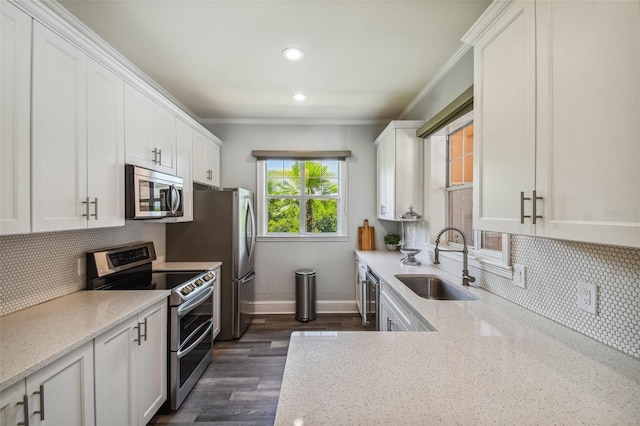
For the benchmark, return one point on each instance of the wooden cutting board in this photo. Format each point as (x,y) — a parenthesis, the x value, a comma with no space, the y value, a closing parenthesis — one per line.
(366,237)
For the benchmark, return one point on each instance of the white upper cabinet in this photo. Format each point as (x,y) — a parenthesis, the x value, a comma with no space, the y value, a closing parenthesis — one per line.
(588,152)
(105,146)
(150,133)
(164,137)
(78,138)
(504,120)
(59,141)
(557,101)
(206,160)
(399,170)
(15,115)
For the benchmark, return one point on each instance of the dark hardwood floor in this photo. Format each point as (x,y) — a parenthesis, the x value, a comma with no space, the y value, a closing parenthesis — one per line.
(242,384)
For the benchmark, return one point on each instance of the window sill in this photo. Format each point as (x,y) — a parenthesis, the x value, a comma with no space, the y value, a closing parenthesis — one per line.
(299,238)
(485,264)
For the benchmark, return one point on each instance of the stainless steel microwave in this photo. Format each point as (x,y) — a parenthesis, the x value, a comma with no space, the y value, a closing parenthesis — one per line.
(151,195)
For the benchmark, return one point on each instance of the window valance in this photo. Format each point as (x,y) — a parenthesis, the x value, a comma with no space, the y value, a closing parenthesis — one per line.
(301,155)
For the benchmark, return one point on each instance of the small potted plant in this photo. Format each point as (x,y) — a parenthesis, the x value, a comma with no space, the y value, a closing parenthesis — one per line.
(391,241)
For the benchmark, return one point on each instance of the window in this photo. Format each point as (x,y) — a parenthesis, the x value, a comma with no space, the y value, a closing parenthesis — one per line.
(460,191)
(301,198)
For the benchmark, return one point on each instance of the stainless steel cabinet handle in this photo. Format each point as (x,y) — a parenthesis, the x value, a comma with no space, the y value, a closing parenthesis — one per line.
(25,410)
(522,200)
(86,207)
(160,155)
(155,156)
(137,340)
(145,329)
(95,210)
(389,324)
(41,393)
(534,215)
(383,210)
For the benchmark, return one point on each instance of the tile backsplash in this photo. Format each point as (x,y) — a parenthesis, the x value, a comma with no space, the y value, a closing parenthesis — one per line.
(35,268)
(553,269)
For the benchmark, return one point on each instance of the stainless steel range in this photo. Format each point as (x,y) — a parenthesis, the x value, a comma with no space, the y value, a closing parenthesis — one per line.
(190,321)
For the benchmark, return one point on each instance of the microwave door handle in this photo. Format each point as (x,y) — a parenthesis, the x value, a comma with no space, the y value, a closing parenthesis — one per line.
(174,200)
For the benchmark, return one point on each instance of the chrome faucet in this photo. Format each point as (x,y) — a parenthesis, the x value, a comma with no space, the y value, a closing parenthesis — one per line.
(466,278)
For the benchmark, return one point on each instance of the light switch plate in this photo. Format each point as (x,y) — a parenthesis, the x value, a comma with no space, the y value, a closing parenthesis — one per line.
(588,297)
(519,275)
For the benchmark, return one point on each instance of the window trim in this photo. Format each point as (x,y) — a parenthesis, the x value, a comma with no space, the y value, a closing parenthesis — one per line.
(261,205)
(498,263)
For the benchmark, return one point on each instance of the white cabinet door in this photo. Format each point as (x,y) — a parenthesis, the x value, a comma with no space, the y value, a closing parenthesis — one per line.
(152,361)
(588,158)
(62,392)
(184,168)
(12,408)
(138,128)
(15,115)
(105,146)
(505,120)
(215,163)
(399,170)
(131,369)
(59,149)
(164,140)
(115,375)
(206,160)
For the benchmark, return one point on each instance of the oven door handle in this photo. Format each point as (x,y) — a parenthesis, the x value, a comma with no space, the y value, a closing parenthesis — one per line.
(183,352)
(188,307)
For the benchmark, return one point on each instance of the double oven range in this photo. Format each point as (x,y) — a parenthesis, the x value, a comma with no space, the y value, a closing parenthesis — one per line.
(191,317)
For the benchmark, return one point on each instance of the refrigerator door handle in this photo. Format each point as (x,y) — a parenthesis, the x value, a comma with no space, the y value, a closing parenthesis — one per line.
(248,278)
(251,237)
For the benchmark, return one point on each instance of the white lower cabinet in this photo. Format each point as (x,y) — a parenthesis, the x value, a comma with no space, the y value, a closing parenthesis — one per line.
(397,315)
(59,394)
(131,369)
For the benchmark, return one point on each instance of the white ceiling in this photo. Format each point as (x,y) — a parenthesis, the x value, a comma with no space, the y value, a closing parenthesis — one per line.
(365,60)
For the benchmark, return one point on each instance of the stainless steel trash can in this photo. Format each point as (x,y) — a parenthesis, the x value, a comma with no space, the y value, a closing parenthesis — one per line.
(305,295)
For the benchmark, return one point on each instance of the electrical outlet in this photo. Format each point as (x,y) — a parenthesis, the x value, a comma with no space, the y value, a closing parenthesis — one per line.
(82,266)
(519,275)
(588,297)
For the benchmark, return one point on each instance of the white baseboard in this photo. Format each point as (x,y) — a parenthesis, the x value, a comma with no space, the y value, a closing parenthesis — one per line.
(289,307)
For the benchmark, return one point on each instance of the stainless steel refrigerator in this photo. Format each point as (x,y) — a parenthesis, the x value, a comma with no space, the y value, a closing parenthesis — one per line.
(223,229)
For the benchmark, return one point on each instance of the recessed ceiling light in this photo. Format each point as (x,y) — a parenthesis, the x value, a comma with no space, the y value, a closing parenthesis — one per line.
(299,97)
(293,54)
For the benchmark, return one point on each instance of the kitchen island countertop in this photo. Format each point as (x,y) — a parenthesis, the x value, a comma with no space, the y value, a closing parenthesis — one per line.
(490,362)
(34,337)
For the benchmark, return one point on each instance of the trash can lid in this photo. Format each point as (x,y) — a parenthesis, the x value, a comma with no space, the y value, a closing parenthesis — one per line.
(305,272)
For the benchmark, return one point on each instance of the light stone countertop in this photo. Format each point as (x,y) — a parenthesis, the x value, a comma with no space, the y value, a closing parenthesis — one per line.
(490,362)
(186,266)
(34,337)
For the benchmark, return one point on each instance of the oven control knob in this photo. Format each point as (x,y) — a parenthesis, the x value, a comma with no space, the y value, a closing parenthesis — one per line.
(208,277)
(199,282)
(185,291)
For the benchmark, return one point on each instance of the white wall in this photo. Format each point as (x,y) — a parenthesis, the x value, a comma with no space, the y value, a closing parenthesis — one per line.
(276,262)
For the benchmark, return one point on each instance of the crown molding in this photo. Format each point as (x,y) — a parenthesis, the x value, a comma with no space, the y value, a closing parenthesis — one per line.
(294,121)
(488,17)
(55,17)
(457,55)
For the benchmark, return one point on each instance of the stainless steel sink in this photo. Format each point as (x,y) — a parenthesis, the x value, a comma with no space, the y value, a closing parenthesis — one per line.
(432,287)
